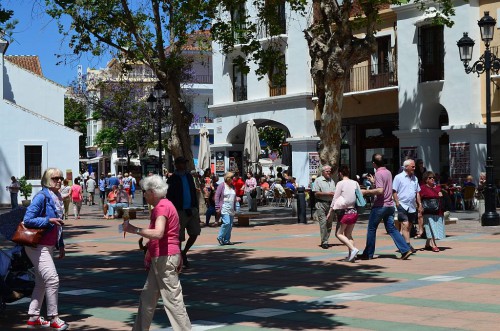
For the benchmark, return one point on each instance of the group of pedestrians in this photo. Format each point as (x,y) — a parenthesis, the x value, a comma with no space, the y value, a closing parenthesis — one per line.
(403,196)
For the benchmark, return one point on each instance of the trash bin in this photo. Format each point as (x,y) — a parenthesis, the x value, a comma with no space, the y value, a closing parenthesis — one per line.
(301,205)
(252,201)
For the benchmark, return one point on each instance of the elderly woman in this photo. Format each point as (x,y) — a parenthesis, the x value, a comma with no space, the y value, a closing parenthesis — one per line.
(112,198)
(433,219)
(46,211)
(225,204)
(164,256)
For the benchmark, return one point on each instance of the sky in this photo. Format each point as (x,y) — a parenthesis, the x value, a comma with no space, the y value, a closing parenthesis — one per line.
(37,34)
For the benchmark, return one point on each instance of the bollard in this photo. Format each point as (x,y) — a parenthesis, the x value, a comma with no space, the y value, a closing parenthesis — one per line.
(301,205)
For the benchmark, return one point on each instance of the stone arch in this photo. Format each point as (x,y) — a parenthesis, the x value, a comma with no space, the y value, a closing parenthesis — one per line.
(237,134)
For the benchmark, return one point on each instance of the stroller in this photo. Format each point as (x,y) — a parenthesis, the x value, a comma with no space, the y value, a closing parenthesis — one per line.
(16,271)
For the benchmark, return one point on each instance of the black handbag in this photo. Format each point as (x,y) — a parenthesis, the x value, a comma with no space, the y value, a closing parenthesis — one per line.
(431,206)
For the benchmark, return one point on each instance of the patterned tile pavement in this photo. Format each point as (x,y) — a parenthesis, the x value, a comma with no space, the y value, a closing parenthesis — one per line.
(277,278)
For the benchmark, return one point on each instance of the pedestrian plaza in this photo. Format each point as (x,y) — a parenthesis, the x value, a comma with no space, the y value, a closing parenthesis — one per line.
(276,277)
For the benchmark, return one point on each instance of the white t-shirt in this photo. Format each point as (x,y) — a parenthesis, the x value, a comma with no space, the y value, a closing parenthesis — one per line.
(229,197)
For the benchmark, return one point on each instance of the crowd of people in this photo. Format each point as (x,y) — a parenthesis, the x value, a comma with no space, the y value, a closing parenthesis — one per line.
(411,195)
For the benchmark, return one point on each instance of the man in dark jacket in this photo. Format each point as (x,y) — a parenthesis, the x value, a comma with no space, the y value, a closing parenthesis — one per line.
(182,193)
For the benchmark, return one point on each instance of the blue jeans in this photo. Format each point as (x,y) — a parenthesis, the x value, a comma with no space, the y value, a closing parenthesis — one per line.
(387,214)
(226,227)
(210,211)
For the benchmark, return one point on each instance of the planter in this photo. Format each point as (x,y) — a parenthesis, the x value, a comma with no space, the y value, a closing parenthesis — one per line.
(25,203)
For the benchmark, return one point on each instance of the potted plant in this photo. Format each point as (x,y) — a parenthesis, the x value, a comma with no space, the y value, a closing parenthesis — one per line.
(26,189)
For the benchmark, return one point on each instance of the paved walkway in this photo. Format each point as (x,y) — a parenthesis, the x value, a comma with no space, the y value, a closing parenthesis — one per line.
(276,277)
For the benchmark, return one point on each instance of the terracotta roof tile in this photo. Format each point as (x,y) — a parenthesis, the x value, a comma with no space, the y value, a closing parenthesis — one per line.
(28,62)
(196,40)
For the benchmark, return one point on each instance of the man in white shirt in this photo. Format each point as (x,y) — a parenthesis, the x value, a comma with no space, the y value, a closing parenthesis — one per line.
(14,191)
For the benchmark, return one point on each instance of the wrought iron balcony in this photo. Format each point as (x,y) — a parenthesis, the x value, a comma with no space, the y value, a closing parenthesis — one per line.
(371,77)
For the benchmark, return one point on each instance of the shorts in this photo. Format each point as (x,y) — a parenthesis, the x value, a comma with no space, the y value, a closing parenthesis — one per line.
(347,216)
(405,216)
(191,223)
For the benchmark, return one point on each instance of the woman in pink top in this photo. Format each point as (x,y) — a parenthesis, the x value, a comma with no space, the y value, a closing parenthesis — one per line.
(344,205)
(163,259)
(77,198)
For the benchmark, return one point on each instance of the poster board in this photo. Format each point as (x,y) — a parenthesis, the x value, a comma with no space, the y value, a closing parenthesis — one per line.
(220,166)
(314,164)
(459,161)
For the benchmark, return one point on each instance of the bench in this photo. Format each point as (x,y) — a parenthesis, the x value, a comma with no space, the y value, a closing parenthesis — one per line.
(244,217)
(132,211)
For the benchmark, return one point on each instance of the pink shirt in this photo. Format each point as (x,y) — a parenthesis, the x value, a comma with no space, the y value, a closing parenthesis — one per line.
(76,193)
(169,244)
(383,179)
(345,194)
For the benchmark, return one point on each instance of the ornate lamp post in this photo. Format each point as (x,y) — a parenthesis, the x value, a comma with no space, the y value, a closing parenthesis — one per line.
(487,63)
(159,103)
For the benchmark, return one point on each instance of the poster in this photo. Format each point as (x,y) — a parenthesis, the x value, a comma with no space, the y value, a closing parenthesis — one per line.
(220,167)
(314,164)
(408,153)
(459,161)
(235,161)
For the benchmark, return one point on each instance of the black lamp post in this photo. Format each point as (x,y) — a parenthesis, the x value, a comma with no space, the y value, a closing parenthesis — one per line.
(487,63)
(159,103)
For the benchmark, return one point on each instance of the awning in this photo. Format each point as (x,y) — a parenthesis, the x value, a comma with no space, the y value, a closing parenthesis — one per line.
(94,160)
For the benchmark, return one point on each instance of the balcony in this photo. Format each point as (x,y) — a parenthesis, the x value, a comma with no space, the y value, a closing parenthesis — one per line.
(199,79)
(275,91)
(198,121)
(239,93)
(372,77)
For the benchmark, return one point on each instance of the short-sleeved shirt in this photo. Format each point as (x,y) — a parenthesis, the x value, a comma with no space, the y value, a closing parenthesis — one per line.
(323,185)
(383,179)
(169,243)
(406,188)
(76,191)
(91,185)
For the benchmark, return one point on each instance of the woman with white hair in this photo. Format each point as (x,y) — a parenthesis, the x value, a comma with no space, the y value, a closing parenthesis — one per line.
(163,259)
(46,211)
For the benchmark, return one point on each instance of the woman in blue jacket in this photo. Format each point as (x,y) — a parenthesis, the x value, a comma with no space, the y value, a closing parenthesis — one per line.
(46,211)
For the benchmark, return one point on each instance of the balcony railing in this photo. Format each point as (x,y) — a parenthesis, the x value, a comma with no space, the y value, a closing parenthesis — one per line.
(198,121)
(372,77)
(239,93)
(275,91)
(200,79)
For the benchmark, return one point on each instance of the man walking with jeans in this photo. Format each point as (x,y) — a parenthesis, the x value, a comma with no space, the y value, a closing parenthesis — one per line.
(383,208)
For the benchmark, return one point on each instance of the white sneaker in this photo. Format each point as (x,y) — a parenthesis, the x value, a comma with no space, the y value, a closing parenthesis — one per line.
(352,256)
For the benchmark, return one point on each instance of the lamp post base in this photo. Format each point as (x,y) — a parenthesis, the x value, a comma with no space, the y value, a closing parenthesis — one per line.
(490,218)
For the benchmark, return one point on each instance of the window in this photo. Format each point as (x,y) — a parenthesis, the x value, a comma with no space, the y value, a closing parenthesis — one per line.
(239,83)
(238,23)
(431,51)
(277,19)
(277,78)
(33,162)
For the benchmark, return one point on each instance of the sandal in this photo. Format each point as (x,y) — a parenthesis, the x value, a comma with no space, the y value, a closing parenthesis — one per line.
(418,236)
(435,249)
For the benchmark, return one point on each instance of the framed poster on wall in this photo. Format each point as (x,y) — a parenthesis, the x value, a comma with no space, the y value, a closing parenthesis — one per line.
(408,153)
(314,164)
(220,167)
(459,161)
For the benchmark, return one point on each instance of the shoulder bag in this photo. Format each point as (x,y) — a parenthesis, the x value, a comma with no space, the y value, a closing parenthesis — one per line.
(431,206)
(29,236)
(360,201)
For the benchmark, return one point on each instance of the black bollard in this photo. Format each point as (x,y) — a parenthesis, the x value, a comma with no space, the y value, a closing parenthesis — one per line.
(301,205)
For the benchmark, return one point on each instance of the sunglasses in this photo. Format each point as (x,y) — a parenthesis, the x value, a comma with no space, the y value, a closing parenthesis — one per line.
(57,178)
(431,177)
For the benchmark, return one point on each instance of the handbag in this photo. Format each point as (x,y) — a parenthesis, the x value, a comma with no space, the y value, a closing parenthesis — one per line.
(27,236)
(360,201)
(431,206)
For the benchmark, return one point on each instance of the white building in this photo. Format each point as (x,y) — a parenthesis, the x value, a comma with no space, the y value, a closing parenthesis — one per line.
(239,98)
(411,97)
(33,133)
(197,93)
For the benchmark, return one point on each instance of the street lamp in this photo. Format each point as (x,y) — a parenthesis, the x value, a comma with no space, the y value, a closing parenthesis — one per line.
(159,103)
(487,62)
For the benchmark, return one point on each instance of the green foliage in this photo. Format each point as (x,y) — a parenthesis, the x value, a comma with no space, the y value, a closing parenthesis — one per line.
(25,188)
(75,117)
(273,137)
(6,24)
(107,139)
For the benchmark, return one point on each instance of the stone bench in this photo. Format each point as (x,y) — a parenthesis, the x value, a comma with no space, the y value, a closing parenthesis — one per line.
(244,217)
(132,211)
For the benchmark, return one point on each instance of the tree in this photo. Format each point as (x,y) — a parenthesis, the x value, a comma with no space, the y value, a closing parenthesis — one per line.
(140,32)
(6,24)
(75,117)
(334,47)
(273,137)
